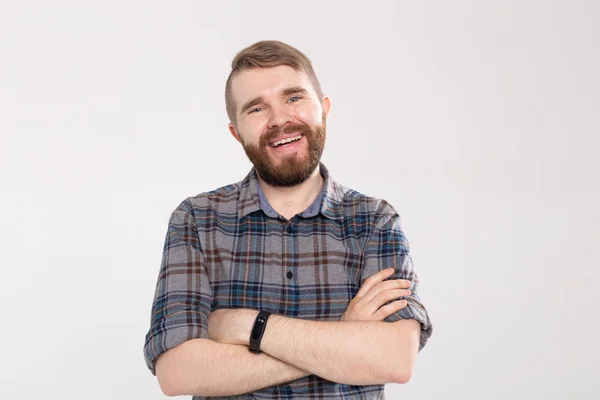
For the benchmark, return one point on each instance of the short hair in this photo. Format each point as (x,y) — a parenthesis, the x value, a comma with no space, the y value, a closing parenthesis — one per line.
(266,54)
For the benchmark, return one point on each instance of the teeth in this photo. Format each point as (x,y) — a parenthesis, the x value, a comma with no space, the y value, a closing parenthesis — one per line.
(288,140)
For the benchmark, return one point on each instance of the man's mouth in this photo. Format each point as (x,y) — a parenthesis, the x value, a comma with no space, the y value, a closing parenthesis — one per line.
(286,141)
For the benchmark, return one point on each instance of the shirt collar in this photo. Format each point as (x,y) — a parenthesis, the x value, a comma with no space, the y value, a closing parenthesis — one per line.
(328,202)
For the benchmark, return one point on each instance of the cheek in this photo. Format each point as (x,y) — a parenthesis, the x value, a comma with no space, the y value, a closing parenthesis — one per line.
(310,115)
(252,131)
(258,123)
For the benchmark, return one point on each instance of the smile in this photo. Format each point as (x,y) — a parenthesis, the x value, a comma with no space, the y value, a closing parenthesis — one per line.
(286,141)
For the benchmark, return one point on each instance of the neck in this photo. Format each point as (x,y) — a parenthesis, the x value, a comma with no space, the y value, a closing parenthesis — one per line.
(291,200)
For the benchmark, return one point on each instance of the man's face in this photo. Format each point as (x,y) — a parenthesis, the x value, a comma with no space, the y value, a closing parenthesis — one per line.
(275,104)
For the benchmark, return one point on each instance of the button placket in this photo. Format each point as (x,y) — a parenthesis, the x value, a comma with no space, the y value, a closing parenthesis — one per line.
(289,229)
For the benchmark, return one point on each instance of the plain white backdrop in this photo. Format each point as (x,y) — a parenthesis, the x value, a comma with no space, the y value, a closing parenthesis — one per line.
(477,120)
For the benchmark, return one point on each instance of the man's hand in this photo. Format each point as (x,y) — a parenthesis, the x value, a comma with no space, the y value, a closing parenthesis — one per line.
(373,294)
(231,326)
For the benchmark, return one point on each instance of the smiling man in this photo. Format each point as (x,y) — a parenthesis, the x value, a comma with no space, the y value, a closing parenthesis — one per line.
(285,285)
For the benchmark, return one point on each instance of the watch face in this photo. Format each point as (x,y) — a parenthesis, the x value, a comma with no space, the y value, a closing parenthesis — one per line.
(258,328)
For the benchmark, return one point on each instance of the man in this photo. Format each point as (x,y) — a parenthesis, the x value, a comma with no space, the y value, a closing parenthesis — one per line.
(286,285)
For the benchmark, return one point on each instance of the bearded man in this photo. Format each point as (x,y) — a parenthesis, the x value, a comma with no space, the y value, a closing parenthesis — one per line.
(287,284)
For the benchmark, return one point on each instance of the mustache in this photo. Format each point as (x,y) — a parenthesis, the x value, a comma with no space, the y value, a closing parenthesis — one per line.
(274,133)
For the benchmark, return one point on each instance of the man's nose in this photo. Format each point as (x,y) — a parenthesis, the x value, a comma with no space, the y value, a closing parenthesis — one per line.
(279,117)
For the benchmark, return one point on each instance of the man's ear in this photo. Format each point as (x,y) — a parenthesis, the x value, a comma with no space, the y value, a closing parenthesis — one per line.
(234,132)
(326,104)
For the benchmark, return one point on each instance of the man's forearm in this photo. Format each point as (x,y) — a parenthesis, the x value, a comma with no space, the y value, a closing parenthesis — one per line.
(208,368)
(353,352)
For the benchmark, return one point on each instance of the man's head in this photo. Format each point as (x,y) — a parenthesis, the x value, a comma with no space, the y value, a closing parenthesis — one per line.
(273,94)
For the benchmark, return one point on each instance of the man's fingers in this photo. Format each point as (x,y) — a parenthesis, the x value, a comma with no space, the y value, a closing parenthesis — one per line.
(383,297)
(389,309)
(386,285)
(373,280)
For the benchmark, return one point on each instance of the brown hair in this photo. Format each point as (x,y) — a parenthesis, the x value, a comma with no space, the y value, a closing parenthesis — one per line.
(265,54)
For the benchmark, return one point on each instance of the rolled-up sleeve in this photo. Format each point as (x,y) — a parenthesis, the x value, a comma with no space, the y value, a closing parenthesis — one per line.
(183,296)
(387,247)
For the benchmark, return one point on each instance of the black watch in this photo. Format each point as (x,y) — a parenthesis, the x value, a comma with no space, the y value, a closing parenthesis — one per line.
(258,330)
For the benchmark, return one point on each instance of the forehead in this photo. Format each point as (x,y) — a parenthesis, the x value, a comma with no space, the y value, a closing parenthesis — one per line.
(266,82)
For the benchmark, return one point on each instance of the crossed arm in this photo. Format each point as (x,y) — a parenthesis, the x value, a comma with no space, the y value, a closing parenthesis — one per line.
(360,349)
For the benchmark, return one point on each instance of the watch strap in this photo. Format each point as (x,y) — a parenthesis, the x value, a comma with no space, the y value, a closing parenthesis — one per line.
(258,330)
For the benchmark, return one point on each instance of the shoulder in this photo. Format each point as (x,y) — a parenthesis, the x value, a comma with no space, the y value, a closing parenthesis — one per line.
(355,204)
(222,200)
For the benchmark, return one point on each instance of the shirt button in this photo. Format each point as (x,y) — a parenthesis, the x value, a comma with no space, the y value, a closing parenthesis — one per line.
(289,275)
(290,229)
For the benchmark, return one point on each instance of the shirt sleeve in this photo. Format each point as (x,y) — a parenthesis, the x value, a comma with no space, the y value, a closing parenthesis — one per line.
(387,247)
(183,295)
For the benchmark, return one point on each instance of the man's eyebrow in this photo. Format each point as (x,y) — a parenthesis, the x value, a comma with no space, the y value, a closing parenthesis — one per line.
(251,103)
(293,90)
(284,92)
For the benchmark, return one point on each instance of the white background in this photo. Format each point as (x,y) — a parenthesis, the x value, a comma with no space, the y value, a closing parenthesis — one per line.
(477,120)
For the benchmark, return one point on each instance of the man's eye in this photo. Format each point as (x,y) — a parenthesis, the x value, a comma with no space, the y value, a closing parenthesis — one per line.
(253,110)
(295,97)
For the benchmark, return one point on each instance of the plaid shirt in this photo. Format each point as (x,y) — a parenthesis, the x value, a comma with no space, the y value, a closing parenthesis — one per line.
(230,249)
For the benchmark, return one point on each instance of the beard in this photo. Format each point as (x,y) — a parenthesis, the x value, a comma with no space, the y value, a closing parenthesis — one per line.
(293,169)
